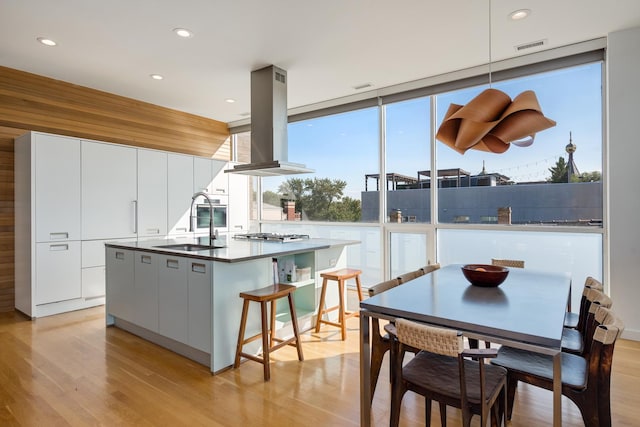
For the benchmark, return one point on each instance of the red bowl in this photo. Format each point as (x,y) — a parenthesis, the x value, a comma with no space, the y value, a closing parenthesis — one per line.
(485,274)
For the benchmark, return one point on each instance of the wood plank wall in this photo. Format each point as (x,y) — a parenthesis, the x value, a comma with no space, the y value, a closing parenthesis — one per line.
(32,102)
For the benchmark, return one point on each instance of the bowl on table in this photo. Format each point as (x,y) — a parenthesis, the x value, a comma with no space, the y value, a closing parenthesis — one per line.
(485,275)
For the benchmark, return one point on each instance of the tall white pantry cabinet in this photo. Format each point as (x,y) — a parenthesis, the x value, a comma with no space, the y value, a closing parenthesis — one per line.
(72,195)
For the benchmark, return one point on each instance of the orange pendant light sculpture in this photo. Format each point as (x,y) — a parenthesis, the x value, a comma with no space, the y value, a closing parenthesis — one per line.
(492,121)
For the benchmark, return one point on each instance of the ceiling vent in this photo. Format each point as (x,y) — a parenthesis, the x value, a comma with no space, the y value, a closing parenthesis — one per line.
(530,45)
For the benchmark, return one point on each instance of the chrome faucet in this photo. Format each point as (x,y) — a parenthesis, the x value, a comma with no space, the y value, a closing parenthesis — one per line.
(213,234)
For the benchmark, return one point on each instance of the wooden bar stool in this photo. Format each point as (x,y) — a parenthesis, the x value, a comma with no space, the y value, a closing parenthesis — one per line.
(266,295)
(340,276)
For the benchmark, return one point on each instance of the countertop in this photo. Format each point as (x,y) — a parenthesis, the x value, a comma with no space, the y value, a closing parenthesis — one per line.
(232,250)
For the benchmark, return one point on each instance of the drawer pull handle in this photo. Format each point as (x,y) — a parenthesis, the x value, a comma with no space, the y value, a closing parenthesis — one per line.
(59,236)
(145,259)
(184,229)
(119,255)
(58,247)
(153,231)
(198,268)
(173,263)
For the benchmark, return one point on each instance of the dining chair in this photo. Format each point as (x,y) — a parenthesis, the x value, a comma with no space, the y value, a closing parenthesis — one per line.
(430,268)
(442,371)
(574,340)
(515,263)
(571,318)
(585,380)
(404,278)
(380,344)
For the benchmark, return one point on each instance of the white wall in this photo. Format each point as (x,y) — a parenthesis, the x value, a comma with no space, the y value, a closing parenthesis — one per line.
(624,165)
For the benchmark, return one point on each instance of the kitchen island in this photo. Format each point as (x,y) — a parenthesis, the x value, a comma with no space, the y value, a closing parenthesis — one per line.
(184,296)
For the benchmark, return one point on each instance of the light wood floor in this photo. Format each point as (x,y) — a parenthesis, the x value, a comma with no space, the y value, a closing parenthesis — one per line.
(70,370)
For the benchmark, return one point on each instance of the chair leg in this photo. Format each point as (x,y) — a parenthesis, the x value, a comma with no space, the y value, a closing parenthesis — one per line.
(321,306)
(427,412)
(512,384)
(265,342)
(443,415)
(378,348)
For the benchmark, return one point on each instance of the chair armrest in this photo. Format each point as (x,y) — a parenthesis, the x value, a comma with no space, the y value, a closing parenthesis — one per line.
(390,328)
(481,353)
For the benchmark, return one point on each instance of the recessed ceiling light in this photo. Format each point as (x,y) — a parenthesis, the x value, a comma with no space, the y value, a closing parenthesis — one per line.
(46,41)
(156,76)
(519,14)
(183,32)
(230,100)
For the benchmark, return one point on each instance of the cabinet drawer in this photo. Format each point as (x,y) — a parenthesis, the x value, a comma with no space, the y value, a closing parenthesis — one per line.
(93,253)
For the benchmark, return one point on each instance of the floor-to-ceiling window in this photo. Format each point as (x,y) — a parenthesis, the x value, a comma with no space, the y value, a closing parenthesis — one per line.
(509,205)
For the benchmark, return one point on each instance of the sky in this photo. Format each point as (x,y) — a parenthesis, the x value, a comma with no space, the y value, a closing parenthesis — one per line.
(345,146)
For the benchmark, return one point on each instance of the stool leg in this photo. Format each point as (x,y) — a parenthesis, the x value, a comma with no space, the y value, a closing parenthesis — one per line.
(321,306)
(243,324)
(272,331)
(343,325)
(359,285)
(294,322)
(265,341)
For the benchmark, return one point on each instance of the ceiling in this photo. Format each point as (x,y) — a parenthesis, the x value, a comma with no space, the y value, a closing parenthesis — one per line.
(326,47)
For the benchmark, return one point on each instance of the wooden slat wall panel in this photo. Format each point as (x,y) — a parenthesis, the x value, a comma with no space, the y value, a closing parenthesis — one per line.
(32,102)
(6,218)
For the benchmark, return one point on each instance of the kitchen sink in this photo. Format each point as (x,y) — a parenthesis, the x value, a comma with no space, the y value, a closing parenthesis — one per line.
(189,247)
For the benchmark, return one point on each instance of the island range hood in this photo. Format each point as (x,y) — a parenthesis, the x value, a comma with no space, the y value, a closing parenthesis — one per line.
(269,156)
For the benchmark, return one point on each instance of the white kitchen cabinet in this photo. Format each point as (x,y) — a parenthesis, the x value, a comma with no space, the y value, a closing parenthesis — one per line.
(173,298)
(109,191)
(47,224)
(200,283)
(57,272)
(120,280)
(93,282)
(56,166)
(180,186)
(145,294)
(220,182)
(152,193)
(238,214)
(202,174)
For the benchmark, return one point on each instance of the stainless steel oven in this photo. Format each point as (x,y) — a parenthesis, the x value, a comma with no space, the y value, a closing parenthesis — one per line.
(219,212)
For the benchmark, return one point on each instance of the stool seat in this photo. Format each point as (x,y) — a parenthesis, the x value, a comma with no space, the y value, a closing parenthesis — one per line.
(269,294)
(339,276)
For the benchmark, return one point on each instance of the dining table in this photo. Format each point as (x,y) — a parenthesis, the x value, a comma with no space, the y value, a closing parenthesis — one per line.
(525,311)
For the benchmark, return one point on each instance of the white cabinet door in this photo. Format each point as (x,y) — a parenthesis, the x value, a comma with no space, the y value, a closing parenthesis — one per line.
(93,279)
(57,272)
(173,298)
(146,290)
(152,193)
(220,183)
(120,280)
(108,191)
(238,214)
(202,174)
(200,303)
(179,192)
(57,187)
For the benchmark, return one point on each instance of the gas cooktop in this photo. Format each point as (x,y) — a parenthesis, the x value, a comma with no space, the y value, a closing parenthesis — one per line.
(273,237)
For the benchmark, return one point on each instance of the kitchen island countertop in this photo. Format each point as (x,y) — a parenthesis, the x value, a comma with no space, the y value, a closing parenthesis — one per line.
(232,250)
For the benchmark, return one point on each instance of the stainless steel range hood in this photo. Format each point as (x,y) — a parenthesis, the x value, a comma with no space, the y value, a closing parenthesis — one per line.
(269,150)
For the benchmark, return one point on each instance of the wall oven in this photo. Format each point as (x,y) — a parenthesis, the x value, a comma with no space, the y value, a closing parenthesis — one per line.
(219,212)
